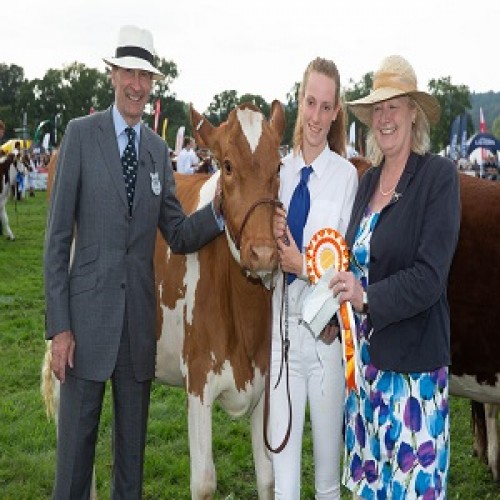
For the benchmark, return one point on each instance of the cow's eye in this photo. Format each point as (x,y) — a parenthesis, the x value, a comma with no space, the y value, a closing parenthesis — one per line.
(227,166)
(279,167)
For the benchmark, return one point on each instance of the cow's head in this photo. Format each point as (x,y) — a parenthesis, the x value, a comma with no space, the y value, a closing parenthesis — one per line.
(247,148)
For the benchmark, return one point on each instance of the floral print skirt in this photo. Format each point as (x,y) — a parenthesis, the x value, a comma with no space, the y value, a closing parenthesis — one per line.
(397,439)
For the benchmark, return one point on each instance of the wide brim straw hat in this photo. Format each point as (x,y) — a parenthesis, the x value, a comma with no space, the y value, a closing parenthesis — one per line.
(135,51)
(395,78)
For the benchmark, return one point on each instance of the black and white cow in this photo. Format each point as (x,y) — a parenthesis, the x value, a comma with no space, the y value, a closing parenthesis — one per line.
(7,180)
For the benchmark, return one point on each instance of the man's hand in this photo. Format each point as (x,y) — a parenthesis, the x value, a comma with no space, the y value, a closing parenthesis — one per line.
(63,351)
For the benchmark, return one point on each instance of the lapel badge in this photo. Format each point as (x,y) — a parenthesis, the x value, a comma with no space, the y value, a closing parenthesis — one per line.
(155,183)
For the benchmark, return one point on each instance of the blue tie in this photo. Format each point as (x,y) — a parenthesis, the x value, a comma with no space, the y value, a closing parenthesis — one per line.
(298,211)
(129,163)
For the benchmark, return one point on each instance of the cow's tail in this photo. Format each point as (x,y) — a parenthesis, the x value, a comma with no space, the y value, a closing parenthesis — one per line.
(47,383)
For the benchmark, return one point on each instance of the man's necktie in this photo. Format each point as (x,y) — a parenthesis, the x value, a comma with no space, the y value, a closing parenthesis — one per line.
(298,211)
(129,163)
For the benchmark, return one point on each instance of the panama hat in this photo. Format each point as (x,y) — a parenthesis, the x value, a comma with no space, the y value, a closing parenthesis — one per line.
(395,78)
(135,51)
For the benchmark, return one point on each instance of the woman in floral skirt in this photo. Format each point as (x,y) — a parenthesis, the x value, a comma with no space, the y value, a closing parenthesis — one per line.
(402,234)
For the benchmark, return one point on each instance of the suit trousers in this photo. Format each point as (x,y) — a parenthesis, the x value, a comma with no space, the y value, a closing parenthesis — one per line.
(316,376)
(79,416)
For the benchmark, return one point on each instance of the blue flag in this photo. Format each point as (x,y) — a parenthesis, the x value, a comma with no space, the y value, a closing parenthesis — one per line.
(454,138)
(463,136)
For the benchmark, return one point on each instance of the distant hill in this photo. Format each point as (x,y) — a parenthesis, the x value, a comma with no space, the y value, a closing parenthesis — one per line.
(490,102)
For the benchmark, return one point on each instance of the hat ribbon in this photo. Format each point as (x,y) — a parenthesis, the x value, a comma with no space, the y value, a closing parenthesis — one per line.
(393,80)
(130,50)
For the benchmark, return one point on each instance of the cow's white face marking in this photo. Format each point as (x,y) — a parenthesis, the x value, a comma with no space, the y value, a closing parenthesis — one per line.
(251,124)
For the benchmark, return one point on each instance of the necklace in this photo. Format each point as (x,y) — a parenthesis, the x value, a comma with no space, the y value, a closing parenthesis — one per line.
(381,191)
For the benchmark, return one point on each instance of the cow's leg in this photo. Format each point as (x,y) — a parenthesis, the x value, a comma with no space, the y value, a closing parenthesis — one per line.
(478,422)
(262,460)
(203,478)
(5,223)
(491,412)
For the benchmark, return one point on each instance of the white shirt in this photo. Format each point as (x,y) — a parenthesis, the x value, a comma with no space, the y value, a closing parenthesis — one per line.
(186,160)
(332,186)
(121,136)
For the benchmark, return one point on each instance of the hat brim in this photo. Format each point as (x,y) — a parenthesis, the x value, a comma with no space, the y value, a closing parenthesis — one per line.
(362,108)
(130,62)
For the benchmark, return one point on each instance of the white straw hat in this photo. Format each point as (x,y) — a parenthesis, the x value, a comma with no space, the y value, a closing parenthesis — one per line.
(135,51)
(395,78)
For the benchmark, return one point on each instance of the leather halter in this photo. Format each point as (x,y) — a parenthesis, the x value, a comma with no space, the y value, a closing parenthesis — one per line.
(261,201)
(284,342)
(285,346)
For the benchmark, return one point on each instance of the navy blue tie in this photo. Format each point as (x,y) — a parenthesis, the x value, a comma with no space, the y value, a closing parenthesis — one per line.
(298,211)
(129,163)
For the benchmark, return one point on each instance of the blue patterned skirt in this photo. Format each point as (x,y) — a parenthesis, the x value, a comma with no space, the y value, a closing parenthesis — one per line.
(397,442)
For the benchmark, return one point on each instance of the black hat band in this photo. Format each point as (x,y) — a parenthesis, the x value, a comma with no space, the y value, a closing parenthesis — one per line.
(133,51)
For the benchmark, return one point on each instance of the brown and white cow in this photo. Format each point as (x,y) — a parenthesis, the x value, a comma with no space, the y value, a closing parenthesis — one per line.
(485,429)
(213,318)
(213,311)
(473,294)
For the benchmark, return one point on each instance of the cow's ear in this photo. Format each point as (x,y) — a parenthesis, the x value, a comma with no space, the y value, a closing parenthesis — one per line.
(277,120)
(203,130)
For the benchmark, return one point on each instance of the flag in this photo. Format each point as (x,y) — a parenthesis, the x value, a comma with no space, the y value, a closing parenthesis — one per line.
(179,140)
(482,129)
(463,136)
(482,123)
(164,129)
(352,134)
(46,141)
(157,115)
(454,137)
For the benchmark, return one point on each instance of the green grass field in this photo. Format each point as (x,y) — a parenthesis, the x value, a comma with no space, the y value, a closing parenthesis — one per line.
(27,438)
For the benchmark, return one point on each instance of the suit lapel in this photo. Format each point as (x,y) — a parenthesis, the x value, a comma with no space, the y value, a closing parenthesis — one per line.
(106,140)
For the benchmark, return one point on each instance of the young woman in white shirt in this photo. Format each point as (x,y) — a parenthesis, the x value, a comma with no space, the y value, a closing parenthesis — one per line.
(316,375)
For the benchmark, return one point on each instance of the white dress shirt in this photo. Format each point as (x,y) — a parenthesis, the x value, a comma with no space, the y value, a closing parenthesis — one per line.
(187,161)
(332,186)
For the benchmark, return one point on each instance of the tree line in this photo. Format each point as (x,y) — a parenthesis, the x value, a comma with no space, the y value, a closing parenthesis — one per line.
(63,94)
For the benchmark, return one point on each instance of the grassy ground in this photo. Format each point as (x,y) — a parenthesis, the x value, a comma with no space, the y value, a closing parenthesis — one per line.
(27,438)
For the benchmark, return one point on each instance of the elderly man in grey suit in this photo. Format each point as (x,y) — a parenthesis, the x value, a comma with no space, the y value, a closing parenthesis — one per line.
(113,188)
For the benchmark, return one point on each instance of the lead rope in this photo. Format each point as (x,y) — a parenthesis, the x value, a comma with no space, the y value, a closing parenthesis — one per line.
(285,346)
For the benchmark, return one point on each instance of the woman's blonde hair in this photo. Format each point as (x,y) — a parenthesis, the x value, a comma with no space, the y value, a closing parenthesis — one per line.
(336,137)
(420,136)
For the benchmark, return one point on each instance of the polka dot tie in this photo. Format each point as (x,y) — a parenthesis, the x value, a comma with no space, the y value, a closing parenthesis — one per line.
(129,163)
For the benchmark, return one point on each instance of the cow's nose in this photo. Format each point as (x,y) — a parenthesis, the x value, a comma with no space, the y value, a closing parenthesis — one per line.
(262,257)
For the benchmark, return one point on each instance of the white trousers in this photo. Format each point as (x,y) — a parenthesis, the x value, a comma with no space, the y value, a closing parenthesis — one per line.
(316,376)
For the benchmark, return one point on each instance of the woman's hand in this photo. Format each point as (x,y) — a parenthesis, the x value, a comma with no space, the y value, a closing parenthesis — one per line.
(279,223)
(330,332)
(289,255)
(347,288)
